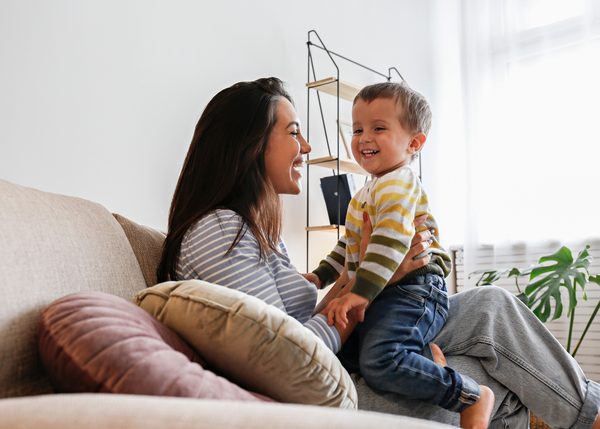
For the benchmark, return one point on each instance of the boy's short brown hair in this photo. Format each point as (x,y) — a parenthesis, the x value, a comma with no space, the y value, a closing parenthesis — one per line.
(416,114)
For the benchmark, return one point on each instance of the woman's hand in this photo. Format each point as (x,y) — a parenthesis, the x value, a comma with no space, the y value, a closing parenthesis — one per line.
(421,241)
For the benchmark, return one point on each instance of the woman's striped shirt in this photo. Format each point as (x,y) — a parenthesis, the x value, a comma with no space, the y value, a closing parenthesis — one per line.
(274,280)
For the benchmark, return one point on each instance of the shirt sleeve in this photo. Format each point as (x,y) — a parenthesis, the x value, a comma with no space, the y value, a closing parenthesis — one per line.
(320,327)
(330,268)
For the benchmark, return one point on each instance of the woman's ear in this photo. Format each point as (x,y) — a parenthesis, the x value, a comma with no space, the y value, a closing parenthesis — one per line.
(417,143)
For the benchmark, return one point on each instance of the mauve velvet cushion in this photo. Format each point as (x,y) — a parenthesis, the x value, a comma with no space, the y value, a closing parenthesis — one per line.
(97,342)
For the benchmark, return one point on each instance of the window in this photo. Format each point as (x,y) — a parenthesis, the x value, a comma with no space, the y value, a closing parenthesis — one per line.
(533,97)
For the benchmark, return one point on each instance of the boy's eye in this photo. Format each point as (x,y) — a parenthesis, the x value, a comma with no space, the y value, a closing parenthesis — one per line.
(358,131)
(379,129)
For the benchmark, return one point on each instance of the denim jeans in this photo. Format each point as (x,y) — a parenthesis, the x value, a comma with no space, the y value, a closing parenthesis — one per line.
(393,345)
(495,339)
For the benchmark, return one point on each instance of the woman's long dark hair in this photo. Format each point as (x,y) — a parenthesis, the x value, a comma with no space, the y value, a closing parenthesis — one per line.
(225,168)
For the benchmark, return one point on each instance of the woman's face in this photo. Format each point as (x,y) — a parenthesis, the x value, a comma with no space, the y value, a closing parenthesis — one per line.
(283,157)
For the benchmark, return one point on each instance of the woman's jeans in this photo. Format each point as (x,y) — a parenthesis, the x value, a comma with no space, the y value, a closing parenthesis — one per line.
(393,345)
(495,339)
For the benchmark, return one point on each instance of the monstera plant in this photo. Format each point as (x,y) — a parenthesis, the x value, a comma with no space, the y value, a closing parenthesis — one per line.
(546,279)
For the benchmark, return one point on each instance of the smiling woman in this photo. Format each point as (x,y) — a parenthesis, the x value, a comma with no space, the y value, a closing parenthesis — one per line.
(225,220)
(225,167)
(285,149)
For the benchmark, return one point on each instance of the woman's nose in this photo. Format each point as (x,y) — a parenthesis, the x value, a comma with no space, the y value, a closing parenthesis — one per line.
(304,146)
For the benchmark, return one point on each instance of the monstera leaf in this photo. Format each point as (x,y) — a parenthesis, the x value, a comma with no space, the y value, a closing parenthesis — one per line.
(488,277)
(556,271)
(552,273)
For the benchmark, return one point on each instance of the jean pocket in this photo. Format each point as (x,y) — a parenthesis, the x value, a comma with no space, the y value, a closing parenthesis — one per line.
(442,311)
(416,293)
(437,321)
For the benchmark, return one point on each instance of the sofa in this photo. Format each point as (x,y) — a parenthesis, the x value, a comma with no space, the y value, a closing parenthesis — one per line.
(57,250)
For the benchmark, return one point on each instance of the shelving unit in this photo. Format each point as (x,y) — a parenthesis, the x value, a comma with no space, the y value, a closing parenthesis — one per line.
(341,90)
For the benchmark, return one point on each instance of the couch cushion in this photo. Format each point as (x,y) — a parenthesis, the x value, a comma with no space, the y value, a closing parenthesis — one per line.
(97,342)
(146,244)
(52,245)
(254,344)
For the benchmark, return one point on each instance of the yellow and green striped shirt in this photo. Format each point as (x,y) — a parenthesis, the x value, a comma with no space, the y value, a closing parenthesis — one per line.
(392,203)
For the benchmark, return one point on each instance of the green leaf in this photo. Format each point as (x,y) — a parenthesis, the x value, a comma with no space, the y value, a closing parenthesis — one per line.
(524,271)
(556,271)
(524,298)
(488,277)
(514,272)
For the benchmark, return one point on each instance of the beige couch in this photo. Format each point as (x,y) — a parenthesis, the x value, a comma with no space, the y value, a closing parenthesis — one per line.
(53,245)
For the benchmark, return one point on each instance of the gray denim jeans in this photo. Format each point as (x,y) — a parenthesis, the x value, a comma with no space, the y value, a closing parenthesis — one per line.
(496,340)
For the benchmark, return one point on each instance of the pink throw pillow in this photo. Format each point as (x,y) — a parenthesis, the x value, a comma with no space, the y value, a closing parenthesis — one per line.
(97,342)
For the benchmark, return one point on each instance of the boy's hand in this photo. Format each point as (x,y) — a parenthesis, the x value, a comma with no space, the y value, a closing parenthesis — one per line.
(338,308)
(312,277)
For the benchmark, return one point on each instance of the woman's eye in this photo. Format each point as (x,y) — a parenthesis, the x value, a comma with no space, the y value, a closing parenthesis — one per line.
(295,134)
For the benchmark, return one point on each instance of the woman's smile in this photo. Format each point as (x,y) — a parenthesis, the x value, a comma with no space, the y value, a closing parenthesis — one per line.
(284,158)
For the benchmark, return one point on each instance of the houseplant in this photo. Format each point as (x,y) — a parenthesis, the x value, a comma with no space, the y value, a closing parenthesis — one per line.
(553,272)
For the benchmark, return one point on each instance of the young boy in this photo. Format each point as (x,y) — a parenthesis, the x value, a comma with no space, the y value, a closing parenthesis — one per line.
(390,124)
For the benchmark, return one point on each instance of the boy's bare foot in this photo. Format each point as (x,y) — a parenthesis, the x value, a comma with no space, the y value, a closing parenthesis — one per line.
(596,424)
(438,356)
(477,416)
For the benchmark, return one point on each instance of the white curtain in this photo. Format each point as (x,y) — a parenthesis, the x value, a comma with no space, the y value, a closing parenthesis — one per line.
(530,76)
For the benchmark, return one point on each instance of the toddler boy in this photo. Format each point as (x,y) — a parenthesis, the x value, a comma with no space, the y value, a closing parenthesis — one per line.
(390,124)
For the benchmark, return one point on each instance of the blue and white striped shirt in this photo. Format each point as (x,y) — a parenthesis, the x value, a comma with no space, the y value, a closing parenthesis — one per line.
(275,281)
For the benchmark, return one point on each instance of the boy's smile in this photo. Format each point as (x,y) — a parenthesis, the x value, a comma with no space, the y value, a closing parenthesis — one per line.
(379,142)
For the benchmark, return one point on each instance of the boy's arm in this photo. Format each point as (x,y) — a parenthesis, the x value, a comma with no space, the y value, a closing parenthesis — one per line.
(333,292)
(333,265)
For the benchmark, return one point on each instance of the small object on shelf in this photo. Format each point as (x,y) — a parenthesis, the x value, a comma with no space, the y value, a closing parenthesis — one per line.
(330,188)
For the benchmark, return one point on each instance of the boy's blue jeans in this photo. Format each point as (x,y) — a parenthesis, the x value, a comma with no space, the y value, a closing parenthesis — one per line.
(391,346)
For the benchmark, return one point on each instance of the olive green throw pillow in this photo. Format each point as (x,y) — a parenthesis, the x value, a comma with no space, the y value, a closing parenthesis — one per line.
(251,343)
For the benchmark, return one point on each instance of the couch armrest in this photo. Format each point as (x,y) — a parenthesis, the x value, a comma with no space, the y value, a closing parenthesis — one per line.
(95,411)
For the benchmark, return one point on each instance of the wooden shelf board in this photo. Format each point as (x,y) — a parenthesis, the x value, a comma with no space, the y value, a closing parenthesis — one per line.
(347,165)
(326,228)
(329,86)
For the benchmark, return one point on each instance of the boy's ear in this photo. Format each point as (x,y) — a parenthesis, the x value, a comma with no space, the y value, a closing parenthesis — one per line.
(417,143)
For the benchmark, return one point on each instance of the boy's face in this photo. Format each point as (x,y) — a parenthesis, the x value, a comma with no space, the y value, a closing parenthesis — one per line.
(379,143)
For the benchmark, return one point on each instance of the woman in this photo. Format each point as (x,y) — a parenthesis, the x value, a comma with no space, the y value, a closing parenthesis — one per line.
(225,227)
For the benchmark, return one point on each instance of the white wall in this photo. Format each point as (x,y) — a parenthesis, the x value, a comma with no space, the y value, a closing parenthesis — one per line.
(98,99)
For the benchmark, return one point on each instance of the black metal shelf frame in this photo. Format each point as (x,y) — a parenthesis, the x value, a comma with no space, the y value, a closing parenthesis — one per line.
(311,68)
